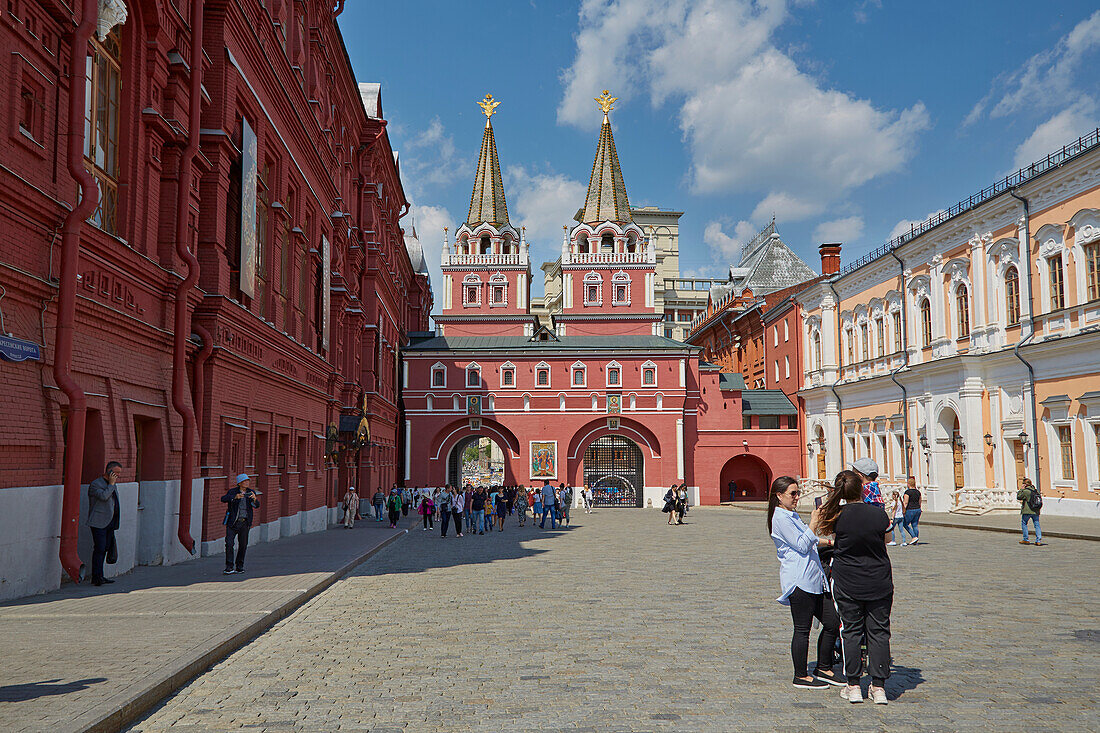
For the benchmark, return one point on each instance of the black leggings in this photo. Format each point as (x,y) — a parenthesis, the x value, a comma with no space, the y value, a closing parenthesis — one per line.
(428,522)
(804,607)
(395,514)
(860,621)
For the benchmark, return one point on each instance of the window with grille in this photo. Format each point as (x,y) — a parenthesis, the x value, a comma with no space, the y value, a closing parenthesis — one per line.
(1057,294)
(613,376)
(817,351)
(103,81)
(649,377)
(578,377)
(620,294)
(1065,440)
(591,294)
(962,308)
(896,318)
(1012,296)
(498,295)
(508,377)
(439,377)
(473,378)
(542,377)
(926,322)
(866,339)
(851,338)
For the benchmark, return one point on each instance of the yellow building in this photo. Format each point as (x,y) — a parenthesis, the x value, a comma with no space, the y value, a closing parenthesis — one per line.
(966,352)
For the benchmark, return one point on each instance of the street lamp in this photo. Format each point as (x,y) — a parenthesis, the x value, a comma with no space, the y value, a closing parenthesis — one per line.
(924,443)
(810,447)
(989,440)
(1024,441)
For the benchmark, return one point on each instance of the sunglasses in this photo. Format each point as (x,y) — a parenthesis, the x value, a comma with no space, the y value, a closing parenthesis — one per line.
(795,494)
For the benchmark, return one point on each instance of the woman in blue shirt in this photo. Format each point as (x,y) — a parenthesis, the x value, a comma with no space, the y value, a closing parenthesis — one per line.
(802,580)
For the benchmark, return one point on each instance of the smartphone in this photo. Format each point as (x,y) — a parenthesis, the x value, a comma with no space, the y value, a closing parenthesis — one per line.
(817,502)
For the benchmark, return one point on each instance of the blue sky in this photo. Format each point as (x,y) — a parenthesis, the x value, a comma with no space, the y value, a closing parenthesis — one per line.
(846,120)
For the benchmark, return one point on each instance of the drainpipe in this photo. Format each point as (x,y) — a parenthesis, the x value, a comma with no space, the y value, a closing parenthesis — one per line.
(1025,255)
(905,365)
(832,387)
(87,199)
(180,394)
(198,370)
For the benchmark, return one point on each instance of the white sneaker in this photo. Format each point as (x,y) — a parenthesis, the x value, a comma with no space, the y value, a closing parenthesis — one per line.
(852,693)
(893,544)
(878,695)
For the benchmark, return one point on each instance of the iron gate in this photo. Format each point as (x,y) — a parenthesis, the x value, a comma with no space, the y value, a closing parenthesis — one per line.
(613,467)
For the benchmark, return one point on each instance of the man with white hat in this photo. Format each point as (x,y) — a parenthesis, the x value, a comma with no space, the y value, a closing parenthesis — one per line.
(238,520)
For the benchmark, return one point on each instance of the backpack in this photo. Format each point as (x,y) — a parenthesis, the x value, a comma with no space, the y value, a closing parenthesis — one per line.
(1034,500)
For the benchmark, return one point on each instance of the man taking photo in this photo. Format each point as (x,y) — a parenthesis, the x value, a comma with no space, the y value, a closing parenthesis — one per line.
(238,519)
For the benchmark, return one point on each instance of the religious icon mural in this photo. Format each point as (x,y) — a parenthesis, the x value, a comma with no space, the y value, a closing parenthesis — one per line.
(544,459)
(473,404)
(614,403)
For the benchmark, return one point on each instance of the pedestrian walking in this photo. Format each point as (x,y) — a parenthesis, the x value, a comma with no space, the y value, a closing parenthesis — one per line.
(104,515)
(406,502)
(443,505)
(501,510)
(681,503)
(862,584)
(566,503)
(378,501)
(536,504)
(521,505)
(1031,504)
(427,510)
(867,469)
(670,503)
(458,505)
(802,582)
(241,500)
(393,505)
(478,508)
(351,507)
(910,502)
(898,516)
(548,506)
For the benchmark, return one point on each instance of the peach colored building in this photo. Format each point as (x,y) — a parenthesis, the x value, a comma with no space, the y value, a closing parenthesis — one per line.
(965,352)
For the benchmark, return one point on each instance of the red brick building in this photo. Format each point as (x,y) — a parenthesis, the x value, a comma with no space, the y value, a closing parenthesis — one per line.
(595,396)
(231,293)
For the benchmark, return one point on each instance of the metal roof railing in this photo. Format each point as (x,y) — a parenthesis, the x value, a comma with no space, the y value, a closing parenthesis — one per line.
(1036,169)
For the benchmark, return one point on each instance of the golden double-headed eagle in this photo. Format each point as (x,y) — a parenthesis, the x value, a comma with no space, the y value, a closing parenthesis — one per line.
(488,105)
(605,101)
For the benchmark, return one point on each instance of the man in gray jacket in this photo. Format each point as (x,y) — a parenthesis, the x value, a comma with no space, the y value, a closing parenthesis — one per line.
(103,517)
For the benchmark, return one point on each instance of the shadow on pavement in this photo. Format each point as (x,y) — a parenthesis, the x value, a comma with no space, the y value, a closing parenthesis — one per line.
(902,680)
(45,688)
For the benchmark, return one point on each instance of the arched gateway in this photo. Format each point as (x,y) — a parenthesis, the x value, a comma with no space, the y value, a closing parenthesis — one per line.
(615,470)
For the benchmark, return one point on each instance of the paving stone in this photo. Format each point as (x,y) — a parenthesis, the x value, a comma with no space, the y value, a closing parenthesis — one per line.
(622,623)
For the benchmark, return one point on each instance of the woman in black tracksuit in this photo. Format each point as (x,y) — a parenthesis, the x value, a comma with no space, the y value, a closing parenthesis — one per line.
(862,583)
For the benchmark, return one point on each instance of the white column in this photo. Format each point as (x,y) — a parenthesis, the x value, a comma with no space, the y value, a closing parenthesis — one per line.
(980,287)
(680,448)
(1025,276)
(683,373)
(408,450)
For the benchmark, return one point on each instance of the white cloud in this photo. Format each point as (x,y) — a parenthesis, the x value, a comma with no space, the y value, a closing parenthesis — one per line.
(906,225)
(543,202)
(429,222)
(845,230)
(430,158)
(753,122)
(727,247)
(1060,129)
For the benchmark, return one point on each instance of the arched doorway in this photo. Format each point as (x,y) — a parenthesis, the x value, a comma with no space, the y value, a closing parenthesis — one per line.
(615,470)
(476,460)
(819,451)
(744,478)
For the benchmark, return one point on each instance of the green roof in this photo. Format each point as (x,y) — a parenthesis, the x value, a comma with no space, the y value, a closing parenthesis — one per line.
(731,380)
(766,402)
(563,343)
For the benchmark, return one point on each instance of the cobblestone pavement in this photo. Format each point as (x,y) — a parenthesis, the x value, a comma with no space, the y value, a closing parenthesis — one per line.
(623,623)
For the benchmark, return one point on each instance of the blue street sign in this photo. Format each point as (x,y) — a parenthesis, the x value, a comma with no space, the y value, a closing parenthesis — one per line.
(13,349)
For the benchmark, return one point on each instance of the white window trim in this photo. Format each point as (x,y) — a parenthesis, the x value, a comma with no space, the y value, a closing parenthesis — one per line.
(508,367)
(498,281)
(468,281)
(607,374)
(437,367)
(620,278)
(1092,453)
(653,366)
(592,279)
(1054,452)
(474,367)
(549,375)
(584,374)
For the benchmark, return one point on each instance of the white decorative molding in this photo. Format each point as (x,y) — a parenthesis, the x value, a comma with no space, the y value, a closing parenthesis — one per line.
(112,13)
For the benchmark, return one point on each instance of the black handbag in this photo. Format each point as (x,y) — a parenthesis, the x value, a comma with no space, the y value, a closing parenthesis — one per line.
(112,550)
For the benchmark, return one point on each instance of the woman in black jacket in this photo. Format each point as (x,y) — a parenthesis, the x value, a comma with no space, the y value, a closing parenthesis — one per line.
(862,583)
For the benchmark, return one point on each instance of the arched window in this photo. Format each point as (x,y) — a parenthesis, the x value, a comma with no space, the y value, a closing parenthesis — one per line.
(486,244)
(607,243)
(926,322)
(1057,283)
(1092,269)
(817,350)
(101,126)
(1012,296)
(962,312)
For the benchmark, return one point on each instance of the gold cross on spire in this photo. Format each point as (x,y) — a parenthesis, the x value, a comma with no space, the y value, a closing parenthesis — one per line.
(605,101)
(488,105)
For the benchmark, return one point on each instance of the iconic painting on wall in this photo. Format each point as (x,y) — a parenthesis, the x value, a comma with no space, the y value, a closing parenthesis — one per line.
(544,459)
(614,403)
(473,404)
(249,240)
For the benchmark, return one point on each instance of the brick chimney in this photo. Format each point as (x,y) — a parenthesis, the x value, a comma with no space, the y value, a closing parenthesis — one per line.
(830,258)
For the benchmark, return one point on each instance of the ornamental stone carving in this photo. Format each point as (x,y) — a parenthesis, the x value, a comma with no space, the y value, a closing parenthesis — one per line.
(112,13)
(1086,225)
(958,271)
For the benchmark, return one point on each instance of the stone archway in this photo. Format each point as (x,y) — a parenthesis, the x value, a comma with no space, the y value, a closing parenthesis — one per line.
(744,478)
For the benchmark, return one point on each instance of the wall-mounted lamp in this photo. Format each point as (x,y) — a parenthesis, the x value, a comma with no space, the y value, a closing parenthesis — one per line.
(1024,440)
(989,440)
(810,447)
(957,440)
(924,442)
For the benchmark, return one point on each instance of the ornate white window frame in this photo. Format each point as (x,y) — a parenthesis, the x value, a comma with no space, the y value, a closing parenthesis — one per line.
(620,280)
(1058,417)
(1091,402)
(498,282)
(468,283)
(1086,231)
(540,367)
(1051,244)
(592,279)
(649,366)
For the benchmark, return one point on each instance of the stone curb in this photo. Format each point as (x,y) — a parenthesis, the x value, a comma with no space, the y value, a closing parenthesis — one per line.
(140,702)
(957,525)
